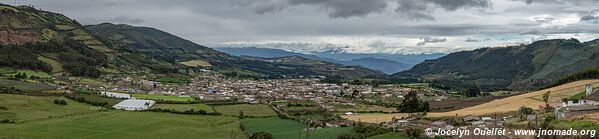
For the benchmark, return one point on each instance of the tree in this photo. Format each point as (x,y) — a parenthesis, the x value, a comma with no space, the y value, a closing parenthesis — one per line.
(473,91)
(547,122)
(415,133)
(546,99)
(412,103)
(241,115)
(261,135)
(525,111)
(60,102)
(355,93)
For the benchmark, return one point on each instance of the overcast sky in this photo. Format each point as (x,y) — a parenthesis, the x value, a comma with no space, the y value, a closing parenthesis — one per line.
(355,26)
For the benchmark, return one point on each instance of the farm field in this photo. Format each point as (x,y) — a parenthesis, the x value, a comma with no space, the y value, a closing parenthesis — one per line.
(284,129)
(454,104)
(162,97)
(25,86)
(183,107)
(509,104)
(30,73)
(363,108)
(248,110)
(120,124)
(374,117)
(22,108)
(56,66)
(391,135)
(196,63)
(39,117)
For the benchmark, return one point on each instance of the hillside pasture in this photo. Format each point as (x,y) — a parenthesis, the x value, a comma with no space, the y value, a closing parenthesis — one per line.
(183,107)
(122,124)
(25,86)
(362,108)
(30,73)
(196,63)
(21,108)
(285,129)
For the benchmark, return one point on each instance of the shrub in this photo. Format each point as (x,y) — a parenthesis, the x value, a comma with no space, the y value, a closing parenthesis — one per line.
(60,102)
(261,135)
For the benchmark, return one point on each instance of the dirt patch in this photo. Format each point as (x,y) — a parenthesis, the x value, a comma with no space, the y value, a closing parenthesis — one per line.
(454,104)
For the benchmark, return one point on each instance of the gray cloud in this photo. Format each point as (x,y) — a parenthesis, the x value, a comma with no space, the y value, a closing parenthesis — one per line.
(390,26)
(422,9)
(336,8)
(577,2)
(345,8)
(426,40)
(544,19)
(589,18)
(472,40)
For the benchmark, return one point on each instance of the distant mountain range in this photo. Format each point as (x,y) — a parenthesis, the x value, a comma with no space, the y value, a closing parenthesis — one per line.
(51,42)
(386,63)
(523,67)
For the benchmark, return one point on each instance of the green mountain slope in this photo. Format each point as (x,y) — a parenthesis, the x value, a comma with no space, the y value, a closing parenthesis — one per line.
(54,43)
(50,42)
(163,46)
(301,64)
(516,67)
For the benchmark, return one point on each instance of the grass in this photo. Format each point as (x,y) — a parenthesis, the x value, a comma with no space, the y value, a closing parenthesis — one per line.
(98,98)
(390,135)
(78,120)
(160,97)
(248,110)
(56,66)
(25,86)
(576,124)
(363,108)
(578,96)
(183,107)
(121,124)
(284,129)
(7,71)
(30,73)
(196,63)
(28,108)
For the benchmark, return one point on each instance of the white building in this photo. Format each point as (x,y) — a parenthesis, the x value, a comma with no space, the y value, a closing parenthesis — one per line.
(134,104)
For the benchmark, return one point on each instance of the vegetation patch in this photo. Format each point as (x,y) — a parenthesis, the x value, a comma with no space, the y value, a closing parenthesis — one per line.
(25,86)
(93,99)
(31,73)
(121,124)
(183,107)
(390,135)
(246,110)
(284,129)
(56,66)
(196,63)
(29,108)
(163,98)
